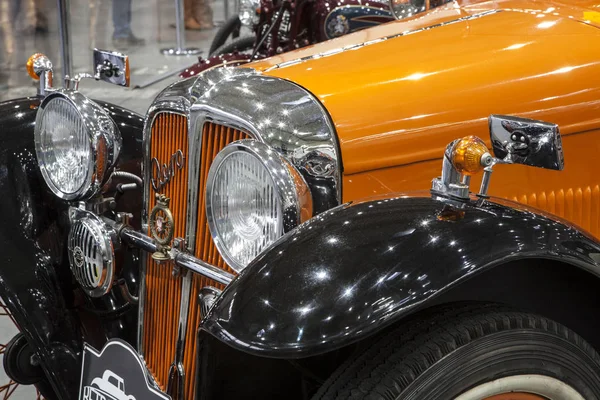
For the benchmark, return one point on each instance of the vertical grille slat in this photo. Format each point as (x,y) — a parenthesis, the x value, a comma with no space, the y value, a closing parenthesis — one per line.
(163,291)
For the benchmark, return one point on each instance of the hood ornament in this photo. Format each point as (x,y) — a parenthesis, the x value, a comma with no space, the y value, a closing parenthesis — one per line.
(161,175)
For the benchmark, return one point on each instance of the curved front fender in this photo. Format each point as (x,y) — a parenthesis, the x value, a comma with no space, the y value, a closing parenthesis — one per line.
(353,270)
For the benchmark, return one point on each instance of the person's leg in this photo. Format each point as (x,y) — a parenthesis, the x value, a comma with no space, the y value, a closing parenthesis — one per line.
(121,18)
(189,16)
(41,21)
(204,13)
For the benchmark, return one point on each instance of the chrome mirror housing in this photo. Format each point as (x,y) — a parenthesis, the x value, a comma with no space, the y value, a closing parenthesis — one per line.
(514,140)
(525,141)
(111,67)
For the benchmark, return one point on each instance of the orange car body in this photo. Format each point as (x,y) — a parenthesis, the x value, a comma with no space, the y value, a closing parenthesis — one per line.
(398,93)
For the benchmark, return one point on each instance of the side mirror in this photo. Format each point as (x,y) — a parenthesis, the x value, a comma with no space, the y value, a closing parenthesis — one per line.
(111,67)
(514,140)
(525,141)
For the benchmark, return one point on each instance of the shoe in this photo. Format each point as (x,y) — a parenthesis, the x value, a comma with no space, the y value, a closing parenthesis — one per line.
(136,41)
(206,23)
(123,43)
(191,24)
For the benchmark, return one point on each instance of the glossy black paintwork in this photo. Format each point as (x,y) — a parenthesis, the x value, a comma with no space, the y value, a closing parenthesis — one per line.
(351,271)
(35,279)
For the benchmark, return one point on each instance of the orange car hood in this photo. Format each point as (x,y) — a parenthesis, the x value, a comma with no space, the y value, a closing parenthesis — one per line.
(399,92)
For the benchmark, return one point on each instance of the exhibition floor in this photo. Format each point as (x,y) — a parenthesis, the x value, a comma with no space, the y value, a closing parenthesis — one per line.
(91,26)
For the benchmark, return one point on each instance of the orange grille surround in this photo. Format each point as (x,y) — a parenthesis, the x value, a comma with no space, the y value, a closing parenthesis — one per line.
(169,133)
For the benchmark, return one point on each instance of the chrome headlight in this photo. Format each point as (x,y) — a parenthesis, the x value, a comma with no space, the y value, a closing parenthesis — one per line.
(249,12)
(76,143)
(253,197)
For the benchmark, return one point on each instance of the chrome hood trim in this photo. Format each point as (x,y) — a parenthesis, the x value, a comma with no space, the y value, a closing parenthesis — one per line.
(276,112)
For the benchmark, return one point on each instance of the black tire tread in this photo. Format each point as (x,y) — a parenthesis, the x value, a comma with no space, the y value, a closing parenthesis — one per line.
(223,33)
(240,44)
(389,367)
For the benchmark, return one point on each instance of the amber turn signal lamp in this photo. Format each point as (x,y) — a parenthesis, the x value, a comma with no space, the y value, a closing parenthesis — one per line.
(470,155)
(30,65)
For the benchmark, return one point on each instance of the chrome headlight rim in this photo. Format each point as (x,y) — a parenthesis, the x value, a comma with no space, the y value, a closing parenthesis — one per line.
(104,143)
(293,192)
(247,14)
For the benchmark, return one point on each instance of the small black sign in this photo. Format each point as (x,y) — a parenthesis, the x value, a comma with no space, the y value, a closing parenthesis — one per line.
(115,373)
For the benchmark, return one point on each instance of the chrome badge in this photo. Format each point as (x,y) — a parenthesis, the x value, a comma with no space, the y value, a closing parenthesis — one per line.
(162,227)
(161,175)
(78,257)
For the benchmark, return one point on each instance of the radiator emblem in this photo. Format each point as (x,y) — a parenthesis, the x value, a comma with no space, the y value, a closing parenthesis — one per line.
(162,226)
(161,175)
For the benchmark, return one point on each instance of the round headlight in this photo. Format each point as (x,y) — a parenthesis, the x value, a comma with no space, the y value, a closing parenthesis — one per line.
(76,143)
(253,197)
(249,12)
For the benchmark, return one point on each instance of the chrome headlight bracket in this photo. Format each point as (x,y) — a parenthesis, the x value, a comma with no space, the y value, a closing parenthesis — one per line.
(97,128)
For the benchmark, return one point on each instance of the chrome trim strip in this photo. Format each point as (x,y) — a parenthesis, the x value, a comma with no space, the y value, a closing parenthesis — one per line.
(379,40)
(138,239)
(187,261)
(176,382)
(141,302)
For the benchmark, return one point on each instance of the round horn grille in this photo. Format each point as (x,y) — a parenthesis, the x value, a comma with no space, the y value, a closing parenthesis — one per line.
(91,255)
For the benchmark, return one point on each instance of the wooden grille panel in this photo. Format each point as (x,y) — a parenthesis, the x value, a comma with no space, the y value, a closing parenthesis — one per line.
(163,291)
(580,205)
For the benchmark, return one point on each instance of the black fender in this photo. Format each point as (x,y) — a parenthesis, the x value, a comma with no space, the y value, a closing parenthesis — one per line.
(35,278)
(355,269)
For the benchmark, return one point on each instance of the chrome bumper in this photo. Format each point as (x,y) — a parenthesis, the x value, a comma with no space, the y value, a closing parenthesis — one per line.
(183,260)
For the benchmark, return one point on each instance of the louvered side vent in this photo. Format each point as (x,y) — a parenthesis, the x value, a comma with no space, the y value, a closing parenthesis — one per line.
(163,292)
(578,205)
(214,139)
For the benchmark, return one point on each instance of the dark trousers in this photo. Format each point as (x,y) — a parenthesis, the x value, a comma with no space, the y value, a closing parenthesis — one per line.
(121,18)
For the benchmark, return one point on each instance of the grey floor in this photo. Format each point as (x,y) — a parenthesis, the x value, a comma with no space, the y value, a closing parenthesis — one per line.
(91,26)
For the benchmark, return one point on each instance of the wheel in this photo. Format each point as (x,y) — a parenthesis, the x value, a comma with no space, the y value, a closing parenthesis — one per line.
(231,27)
(14,353)
(243,44)
(471,352)
(18,361)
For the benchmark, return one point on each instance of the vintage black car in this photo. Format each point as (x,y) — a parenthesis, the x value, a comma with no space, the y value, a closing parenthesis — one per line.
(199,252)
